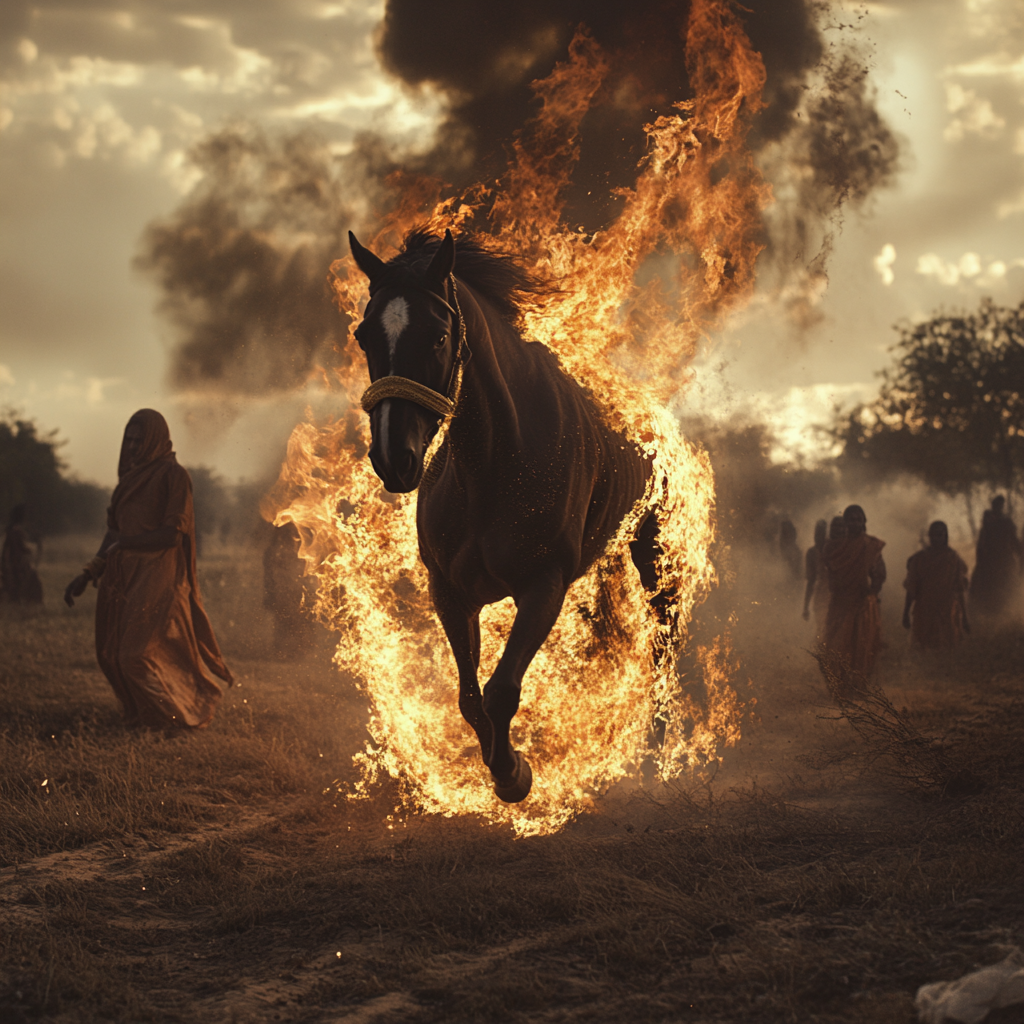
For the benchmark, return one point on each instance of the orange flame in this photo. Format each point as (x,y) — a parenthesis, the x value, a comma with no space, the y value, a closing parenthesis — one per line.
(593,690)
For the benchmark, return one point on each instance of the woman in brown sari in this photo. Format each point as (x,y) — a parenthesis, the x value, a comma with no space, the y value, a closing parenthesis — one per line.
(154,641)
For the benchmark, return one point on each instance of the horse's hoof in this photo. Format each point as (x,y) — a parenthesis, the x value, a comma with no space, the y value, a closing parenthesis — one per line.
(518,786)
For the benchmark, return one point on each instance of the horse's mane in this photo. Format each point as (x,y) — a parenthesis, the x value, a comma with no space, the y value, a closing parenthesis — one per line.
(499,277)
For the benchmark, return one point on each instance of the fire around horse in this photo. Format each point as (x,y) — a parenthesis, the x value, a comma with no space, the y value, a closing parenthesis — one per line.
(528,484)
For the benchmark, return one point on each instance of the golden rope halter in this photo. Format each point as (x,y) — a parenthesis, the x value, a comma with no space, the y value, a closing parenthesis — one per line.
(413,390)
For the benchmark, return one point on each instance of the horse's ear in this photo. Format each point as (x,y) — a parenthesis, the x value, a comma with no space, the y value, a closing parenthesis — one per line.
(443,262)
(370,264)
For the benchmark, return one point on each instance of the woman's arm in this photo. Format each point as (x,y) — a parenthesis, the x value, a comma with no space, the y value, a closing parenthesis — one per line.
(92,571)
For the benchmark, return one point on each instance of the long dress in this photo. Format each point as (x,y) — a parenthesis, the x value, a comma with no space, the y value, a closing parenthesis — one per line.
(154,640)
(936,581)
(995,584)
(853,628)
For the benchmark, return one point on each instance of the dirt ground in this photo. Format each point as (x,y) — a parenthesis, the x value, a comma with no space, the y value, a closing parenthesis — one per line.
(221,877)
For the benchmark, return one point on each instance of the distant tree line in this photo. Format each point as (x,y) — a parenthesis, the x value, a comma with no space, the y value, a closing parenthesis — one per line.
(32,473)
(950,411)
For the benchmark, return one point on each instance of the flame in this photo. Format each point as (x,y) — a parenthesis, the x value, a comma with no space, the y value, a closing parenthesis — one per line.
(592,692)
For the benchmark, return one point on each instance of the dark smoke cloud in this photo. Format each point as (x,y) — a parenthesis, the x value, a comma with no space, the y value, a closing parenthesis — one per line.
(484,56)
(242,264)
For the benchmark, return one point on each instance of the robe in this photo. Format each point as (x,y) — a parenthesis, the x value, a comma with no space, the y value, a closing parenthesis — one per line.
(995,584)
(18,579)
(853,626)
(816,575)
(936,581)
(154,640)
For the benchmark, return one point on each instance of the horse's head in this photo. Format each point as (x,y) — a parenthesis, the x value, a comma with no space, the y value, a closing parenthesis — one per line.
(410,334)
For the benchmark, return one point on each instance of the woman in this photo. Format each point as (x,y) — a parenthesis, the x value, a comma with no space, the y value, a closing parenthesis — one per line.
(154,641)
(19,580)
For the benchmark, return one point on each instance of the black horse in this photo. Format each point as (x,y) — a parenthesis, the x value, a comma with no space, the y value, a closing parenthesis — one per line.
(528,486)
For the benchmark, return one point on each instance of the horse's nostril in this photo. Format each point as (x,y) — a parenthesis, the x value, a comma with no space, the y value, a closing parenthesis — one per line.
(408,463)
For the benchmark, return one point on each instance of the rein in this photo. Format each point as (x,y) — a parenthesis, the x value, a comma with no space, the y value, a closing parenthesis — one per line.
(413,390)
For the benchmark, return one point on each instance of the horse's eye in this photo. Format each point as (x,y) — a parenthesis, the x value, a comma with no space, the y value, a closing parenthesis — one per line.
(441,342)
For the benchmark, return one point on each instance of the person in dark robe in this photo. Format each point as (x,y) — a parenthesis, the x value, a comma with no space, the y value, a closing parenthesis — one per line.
(154,641)
(790,550)
(816,590)
(936,585)
(856,573)
(284,591)
(19,581)
(995,583)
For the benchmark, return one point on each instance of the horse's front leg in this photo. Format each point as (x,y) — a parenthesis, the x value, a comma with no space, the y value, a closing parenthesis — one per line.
(462,627)
(537,611)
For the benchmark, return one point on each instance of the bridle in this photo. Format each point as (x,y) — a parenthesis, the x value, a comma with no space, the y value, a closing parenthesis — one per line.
(412,390)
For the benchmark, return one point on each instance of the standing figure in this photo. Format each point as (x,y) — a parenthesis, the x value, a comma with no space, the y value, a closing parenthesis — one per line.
(790,550)
(996,579)
(936,584)
(856,572)
(154,641)
(284,591)
(816,590)
(19,580)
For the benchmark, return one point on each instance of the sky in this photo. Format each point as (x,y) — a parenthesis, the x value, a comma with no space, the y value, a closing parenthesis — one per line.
(101,103)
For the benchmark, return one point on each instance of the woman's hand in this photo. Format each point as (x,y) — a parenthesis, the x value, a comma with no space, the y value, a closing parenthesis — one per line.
(76,588)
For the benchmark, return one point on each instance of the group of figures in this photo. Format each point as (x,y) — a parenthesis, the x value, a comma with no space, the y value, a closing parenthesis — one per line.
(845,571)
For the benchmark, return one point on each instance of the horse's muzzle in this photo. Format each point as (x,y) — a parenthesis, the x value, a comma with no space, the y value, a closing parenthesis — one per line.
(400,439)
(401,476)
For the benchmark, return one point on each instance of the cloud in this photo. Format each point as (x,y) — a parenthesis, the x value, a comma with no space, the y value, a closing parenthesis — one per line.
(883,263)
(968,268)
(6,377)
(974,116)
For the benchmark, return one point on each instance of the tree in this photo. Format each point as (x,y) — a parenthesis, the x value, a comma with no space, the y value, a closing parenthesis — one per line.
(951,410)
(32,473)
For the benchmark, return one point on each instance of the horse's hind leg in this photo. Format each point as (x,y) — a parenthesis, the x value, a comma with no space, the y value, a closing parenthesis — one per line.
(645,549)
(463,631)
(537,611)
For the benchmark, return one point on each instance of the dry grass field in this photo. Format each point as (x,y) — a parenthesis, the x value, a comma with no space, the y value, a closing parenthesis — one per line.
(220,877)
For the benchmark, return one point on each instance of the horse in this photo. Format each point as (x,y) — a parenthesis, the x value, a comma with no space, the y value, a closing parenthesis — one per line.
(526,488)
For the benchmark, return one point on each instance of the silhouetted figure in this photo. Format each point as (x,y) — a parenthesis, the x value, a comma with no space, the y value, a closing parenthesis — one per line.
(995,583)
(154,641)
(816,591)
(936,584)
(283,591)
(856,572)
(19,580)
(790,550)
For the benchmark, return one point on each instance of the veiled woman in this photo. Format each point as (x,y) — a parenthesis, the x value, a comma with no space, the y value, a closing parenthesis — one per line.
(154,640)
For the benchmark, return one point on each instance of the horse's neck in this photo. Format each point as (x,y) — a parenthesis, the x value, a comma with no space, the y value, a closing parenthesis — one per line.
(487,422)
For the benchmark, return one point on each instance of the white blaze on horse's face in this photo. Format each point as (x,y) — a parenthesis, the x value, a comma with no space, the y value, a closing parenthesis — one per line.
(394,320)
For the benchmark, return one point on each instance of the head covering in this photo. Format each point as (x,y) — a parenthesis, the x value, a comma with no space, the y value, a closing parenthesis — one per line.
(154,451)
(156,441)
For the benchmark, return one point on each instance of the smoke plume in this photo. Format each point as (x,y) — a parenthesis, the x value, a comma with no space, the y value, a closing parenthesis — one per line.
(242,262)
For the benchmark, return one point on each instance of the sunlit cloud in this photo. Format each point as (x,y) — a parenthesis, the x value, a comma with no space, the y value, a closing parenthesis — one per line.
(974,115)
(883,263)
(6,376)
(969,268)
